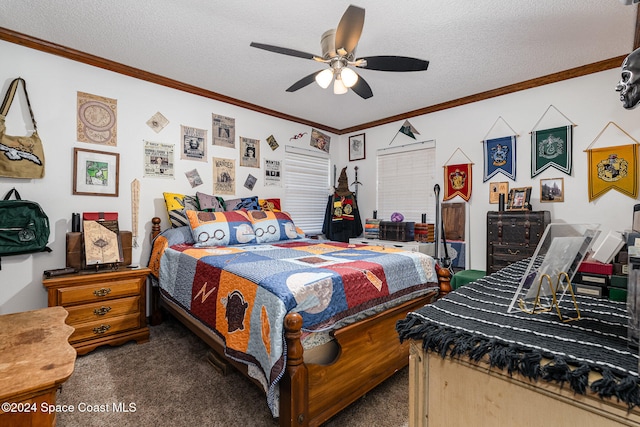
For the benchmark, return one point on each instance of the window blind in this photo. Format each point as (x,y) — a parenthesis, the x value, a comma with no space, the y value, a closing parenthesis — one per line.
(406,177)
(306,178)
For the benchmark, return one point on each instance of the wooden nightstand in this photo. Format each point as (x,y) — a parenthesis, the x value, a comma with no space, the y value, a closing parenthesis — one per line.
(105,307)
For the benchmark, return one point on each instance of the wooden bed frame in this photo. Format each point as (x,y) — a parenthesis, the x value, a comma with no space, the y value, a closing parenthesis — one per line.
(310,394)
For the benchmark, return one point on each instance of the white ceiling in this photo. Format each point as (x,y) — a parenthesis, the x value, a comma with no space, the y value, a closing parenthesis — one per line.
(472,46)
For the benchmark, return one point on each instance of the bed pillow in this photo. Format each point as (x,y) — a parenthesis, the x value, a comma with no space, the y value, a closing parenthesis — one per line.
(271,226)
(210,203)
(177,204)
(249,203)
(270,205)
(220,228)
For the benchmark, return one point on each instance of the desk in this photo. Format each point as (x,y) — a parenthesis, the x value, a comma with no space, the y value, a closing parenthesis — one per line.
(35,359)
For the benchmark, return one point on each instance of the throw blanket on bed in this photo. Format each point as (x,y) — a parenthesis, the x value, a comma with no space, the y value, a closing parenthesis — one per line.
(473,321)
(243,292)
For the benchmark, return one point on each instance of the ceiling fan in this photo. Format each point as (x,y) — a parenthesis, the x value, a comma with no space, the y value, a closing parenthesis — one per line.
(338,51)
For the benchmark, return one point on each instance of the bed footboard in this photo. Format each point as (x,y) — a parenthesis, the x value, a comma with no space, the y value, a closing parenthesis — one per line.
(311,394)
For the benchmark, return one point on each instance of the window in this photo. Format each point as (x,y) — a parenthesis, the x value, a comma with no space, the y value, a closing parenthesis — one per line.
(406,177)
(306,178)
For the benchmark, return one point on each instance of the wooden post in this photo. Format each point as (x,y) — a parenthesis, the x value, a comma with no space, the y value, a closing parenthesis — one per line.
(294,396)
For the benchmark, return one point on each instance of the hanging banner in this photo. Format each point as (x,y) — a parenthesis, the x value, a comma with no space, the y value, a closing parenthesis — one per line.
(613,168)
(457,180)
(551,148)
(500,156)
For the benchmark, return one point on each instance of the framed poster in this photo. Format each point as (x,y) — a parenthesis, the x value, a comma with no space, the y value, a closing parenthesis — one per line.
(95,173)
(357,147)
(552,190)
(496,189)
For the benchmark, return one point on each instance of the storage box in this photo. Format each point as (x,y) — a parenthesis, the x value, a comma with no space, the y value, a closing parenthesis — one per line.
(424,232)
(590,290)
(596,267)
(592,279)
(398,231)
(75,250)
(619,281)
(617,294)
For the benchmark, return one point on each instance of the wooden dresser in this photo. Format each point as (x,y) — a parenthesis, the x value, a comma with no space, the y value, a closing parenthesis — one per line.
(512,236)
(105,307)
(35,359)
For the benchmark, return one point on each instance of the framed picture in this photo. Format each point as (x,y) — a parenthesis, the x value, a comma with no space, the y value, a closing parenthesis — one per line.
(519,199)
(552,190)
(356,147)
(320,140)
(95,173)
(496,189)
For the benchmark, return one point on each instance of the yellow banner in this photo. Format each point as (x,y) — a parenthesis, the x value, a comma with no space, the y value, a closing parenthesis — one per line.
(613,168)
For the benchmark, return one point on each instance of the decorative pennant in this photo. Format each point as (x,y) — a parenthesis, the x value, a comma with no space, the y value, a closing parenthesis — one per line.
(457,180)
(406,129)
(551,148)
(499,156)
(614,167)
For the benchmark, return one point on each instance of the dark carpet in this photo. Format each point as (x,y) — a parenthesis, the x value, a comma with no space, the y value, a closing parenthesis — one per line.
(169,382)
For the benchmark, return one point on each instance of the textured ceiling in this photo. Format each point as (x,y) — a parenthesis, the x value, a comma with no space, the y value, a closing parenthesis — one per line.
(472,46)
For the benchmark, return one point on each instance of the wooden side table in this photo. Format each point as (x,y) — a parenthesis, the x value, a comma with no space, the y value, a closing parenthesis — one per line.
(105,307)
(35,359)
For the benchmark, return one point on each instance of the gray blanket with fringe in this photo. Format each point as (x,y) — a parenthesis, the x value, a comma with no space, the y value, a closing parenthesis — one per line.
(473,322)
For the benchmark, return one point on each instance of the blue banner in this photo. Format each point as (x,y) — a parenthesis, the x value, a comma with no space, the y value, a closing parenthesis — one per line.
(500,156)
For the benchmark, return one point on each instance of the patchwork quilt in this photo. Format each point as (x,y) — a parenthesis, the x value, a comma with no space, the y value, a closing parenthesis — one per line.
(243,292)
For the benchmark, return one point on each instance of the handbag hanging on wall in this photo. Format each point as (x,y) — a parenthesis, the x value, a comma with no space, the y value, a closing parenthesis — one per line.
(20,156)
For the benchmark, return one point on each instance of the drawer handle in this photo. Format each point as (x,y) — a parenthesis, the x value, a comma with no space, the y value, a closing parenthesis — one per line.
(101,311)
(102,292)
(101,329)
(516,252)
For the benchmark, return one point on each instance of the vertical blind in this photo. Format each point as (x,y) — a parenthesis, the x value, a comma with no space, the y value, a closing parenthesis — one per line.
(406,177)
(306,178)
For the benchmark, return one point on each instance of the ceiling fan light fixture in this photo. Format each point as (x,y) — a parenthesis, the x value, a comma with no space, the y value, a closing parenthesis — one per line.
(349,77)
(324,78)
(338,87)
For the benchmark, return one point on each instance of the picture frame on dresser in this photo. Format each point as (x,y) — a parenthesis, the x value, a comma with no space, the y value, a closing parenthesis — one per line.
(496,189)
(519,199)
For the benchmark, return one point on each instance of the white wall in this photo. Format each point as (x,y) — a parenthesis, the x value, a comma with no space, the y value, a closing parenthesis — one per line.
(590,102)
(53,83)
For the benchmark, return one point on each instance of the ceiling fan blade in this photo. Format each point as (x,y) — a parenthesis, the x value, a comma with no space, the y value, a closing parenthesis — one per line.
(394,63)
(349,29)
(305,81)
(283,50)
(362,88)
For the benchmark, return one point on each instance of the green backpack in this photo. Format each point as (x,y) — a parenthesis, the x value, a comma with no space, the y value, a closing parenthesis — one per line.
(24,227)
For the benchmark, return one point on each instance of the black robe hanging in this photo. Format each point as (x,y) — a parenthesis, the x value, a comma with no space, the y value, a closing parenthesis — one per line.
(342,218)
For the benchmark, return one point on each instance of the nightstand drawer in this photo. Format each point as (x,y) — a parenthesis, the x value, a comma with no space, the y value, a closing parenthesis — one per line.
(98,291)
(102,310)
(105,327)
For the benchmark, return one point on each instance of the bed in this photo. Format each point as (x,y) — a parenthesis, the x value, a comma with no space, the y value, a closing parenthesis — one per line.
(510,368)
(312,322)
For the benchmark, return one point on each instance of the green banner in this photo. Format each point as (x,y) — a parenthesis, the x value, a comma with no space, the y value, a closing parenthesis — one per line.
(551,148)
